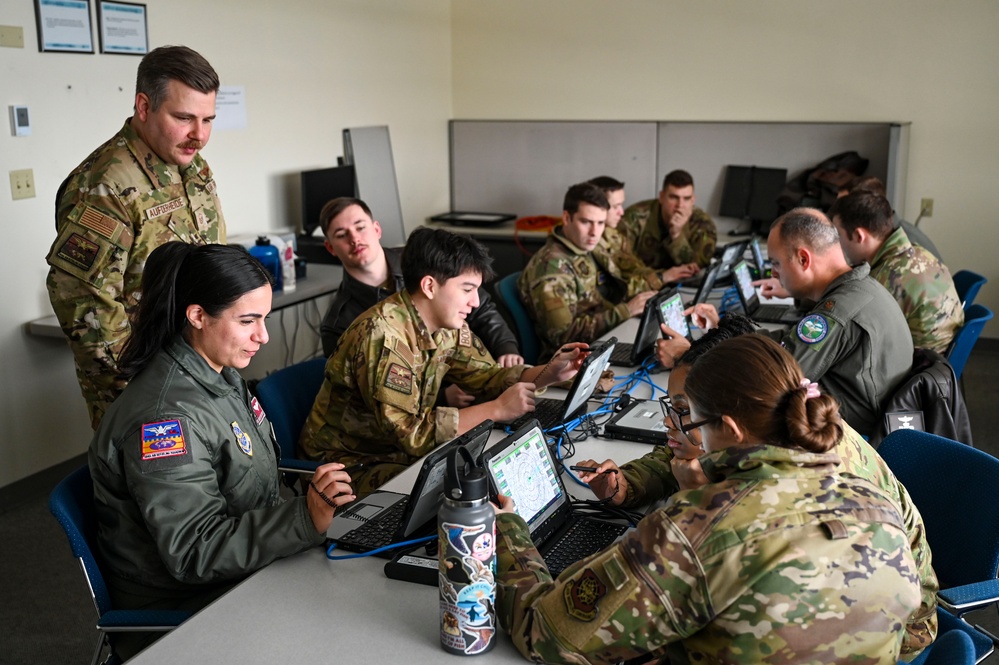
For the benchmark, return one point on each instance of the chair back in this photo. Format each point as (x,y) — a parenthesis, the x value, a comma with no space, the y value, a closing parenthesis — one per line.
(968,284)
(955,644)
(953,486)
(506,290)
(287,396)
(975,318)
(72,504)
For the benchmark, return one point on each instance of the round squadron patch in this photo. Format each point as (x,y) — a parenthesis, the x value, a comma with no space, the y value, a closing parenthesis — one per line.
(242,439)
(582,595)
(813,329)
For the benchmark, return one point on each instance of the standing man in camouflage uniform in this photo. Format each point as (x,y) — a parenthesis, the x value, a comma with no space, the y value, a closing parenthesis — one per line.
(615,254)
(669,231)
(376,411)
(919,281)
(146,186)
(565,291)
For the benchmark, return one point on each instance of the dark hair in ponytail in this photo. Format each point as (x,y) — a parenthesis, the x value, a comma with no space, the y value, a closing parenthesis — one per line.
(175,276)
(758,383)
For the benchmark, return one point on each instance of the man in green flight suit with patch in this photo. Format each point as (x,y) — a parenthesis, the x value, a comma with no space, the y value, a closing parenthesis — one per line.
(146,186)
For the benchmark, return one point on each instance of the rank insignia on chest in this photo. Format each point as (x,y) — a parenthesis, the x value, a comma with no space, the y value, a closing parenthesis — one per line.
(242,439)
(162,439)
(813,329)
(399,378)
(258,411)
(582,595)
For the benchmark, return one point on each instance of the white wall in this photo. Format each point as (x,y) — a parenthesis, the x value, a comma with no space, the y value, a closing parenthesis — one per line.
(922,61)
(310,69)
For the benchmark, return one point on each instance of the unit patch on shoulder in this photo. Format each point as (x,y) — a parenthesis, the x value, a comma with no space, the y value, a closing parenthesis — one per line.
(79,251)
(582,595)
(399,378)
(813,329)
(162,439)
(242,439)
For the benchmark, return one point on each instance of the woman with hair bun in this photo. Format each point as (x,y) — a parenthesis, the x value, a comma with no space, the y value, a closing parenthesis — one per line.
(780,558)
(184,463)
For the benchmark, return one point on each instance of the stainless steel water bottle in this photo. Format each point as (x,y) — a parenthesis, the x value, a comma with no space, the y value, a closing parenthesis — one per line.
(466,526)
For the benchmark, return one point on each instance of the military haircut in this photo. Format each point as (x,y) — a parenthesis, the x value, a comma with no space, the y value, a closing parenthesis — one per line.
(606,183)
(865,210)
(584,192)
(678,179)
(731,325)
(336,206)
(867,183)
(757,382)
(805,227)
(173,63)
(442,255)
(177,275)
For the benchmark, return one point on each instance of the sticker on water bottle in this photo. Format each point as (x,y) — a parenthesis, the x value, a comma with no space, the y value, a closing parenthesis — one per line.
(468,587)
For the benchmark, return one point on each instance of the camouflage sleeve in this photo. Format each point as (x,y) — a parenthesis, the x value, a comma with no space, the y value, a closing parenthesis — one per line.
(650,478)
(89,261)
(921,628)
(601,609)
(697,242)
(474,370)
(933,321)
(564,317)
(619,260)
(630,226)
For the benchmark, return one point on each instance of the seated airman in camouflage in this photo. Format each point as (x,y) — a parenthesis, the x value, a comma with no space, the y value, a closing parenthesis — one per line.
(919,281)
(615,254)
(669,231)
(565,291)
(744,569)
(376,411)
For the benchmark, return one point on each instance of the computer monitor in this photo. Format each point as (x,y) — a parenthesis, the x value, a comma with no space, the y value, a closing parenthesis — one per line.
(321,186)
(750,193)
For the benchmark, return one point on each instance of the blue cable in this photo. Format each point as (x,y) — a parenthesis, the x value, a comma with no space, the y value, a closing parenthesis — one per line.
(386,548)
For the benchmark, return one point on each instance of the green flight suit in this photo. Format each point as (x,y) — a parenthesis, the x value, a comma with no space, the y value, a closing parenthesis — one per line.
(742,570)
(376,408)
(566,293)
(115,208)
(644,227)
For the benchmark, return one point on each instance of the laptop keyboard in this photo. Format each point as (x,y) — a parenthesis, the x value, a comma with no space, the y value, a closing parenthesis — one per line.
(621,355)
(583,538)
(379,531)
(547,411)
(775,314)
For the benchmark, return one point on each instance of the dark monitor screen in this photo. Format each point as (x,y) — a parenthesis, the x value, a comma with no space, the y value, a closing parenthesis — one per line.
(751,192)
(321,186)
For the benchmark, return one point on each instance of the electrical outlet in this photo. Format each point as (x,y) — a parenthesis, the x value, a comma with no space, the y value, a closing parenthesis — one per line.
(926,208)
(12,36)
(22,184)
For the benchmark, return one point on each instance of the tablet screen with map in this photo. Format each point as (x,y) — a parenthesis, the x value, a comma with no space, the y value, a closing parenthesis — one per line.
(521,468)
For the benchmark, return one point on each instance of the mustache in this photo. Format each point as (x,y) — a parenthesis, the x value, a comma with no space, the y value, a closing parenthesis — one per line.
(196,145)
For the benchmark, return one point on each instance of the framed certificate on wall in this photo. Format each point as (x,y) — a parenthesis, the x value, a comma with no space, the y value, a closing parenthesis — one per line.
(64,26)
(123,27)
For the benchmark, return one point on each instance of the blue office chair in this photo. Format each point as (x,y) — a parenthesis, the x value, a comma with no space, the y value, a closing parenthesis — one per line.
(72,503)
(975,318)
(287,396)
(953,485)
(968,284)
(506,290)
(951,648)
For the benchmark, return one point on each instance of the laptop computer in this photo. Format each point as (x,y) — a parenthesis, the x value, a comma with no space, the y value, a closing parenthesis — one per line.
(384,517)
(521,467)
(554,412)
(670,309)
(632,355)
(641,420)
(707,284)
(762,263)
(751,302)
(730,255)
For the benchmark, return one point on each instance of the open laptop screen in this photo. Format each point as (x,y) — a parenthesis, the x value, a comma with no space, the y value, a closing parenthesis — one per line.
(744,281)
(589,375)
(521,468)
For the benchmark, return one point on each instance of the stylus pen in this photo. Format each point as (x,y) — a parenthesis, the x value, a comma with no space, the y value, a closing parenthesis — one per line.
(590,469)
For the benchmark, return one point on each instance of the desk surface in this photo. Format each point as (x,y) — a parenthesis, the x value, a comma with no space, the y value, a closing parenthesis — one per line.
(321,279)
(308,609)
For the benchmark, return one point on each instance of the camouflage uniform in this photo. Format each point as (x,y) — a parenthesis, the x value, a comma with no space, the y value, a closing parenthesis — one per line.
(376,405)
(650,478)
(924,289)
(644,227)
(854,343)
(614,254)
(115,208)
(567,294)
(744,570)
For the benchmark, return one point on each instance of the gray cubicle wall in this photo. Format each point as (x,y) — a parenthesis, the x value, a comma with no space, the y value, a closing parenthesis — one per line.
(524,167)
(369,149)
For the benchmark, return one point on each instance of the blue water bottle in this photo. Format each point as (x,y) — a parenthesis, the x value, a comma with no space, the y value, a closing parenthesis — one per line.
(467,565)
(267,254)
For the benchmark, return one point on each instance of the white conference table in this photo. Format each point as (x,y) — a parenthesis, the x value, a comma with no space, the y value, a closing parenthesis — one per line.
(308,609)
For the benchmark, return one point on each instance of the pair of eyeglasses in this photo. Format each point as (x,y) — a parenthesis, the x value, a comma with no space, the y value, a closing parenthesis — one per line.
(676,416)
